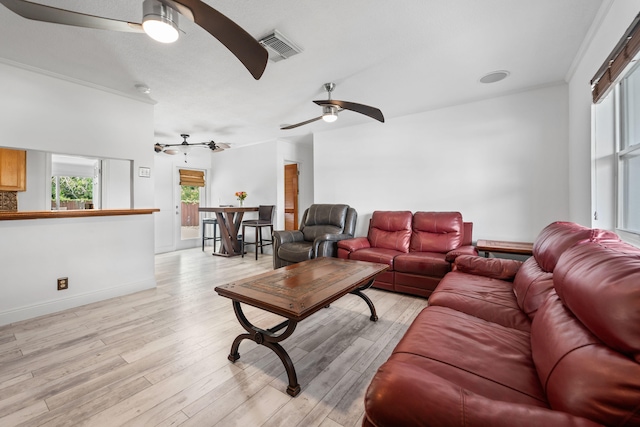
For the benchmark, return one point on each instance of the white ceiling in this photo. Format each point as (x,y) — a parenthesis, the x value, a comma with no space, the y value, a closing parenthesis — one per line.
(402,56)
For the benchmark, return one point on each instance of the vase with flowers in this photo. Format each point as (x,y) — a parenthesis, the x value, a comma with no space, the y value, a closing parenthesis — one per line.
(241,195)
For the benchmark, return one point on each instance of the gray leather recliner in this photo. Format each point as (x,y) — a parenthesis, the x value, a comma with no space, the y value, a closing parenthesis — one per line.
(321,227)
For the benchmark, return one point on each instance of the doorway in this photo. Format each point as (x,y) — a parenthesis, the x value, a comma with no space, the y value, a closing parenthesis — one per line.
(291,175)
(191,195)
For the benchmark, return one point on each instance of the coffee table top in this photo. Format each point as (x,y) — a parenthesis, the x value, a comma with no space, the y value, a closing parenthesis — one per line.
(522,248)
(299,290)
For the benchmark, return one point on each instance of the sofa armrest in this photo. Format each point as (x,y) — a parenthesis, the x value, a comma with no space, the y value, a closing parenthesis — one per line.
(428,399)
(281,237)
(495,268)
(321,246)
(352,245)
(462,250)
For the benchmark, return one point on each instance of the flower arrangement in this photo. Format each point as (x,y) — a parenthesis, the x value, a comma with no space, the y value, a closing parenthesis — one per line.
(241,195)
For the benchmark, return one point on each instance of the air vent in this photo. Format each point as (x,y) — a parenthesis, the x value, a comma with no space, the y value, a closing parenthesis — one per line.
(279,47)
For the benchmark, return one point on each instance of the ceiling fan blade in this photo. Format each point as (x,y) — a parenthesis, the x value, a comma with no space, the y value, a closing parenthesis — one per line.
(223,145)
(247,49)
(40,12)
(300,124)
(372,112)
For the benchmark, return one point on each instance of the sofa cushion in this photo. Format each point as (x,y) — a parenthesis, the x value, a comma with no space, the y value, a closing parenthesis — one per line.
(424,263)
(324,219)
(479,356)
(383,256)
(495,268)
(532,286)
(427,399)
(436,231)
(601,287)
(483,297)
(390,230)
(581,375)
(559,236)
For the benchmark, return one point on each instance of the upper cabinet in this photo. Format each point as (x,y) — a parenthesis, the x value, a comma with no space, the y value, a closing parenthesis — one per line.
(13,170)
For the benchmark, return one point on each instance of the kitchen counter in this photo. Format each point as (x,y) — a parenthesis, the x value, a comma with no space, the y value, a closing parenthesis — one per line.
(80,213)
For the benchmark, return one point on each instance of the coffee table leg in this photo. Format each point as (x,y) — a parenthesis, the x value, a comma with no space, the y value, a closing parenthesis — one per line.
(269,339)
(358,292)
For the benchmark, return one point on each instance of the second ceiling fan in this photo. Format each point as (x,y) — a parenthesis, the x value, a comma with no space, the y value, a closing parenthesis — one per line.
(331,108)
(185,147)
(160,22)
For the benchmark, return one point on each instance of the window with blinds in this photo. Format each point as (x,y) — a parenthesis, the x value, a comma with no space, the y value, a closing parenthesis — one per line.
(191,178)
(616,93)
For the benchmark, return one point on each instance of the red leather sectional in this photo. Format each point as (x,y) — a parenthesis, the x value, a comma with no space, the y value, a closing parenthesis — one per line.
(419,248)
(553,341)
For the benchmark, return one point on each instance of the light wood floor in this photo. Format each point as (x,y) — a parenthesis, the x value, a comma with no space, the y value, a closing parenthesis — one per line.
(159,357)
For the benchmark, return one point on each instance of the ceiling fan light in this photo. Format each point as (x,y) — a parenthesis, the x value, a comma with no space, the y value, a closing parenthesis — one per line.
(329,113)
(184,148)
(160,21)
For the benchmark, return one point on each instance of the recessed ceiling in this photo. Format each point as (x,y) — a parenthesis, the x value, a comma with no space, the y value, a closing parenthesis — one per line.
(403,57)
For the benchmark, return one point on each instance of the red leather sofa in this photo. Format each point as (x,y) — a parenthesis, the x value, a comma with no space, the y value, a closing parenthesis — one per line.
(553,341)
(419,248)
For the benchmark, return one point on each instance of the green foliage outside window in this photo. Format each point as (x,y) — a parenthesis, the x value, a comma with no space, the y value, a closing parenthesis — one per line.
(190,194)
(73,188)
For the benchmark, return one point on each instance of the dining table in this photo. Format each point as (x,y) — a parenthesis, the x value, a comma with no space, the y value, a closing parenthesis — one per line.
(229,221)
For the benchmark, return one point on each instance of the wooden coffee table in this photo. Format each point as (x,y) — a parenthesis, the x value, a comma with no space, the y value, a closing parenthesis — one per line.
(296,292)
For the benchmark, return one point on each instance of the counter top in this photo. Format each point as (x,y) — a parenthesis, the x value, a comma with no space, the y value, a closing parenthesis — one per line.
(81,213)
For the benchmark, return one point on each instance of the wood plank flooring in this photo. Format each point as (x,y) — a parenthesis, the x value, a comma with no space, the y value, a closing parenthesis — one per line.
(159,357)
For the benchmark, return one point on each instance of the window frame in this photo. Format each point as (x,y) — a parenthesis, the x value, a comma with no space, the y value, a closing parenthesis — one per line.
(624,150)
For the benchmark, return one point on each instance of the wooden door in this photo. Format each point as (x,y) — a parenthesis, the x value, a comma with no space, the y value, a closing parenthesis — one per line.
(291,197)
(13,170)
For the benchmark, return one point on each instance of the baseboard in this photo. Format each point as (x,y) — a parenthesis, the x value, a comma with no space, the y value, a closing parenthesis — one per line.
(164,249)
(48,307)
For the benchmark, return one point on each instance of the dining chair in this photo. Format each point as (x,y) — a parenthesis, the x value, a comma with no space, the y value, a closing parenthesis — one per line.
(205,237)
(265,219)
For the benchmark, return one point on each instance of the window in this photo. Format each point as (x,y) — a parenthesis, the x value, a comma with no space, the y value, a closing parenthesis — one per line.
(71,192)
(74,182)
(618,80)
(628,153)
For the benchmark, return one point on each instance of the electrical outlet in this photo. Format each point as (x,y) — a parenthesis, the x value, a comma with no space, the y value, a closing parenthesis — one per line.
(63,283)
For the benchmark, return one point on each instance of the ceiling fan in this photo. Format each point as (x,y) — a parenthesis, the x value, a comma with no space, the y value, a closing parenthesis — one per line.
(185,148)
(331,108)
(160,22)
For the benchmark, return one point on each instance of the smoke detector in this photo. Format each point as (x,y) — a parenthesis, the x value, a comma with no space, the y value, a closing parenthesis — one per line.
(279,47)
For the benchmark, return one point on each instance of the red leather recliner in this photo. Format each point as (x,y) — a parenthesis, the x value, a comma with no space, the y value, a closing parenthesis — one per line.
(419,248)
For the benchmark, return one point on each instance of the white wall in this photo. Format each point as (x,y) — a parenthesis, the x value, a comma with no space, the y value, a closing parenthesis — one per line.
(76,119)
(102,256)
(38,185)
(502,162)
(250,168)
(116,180)
(615,19)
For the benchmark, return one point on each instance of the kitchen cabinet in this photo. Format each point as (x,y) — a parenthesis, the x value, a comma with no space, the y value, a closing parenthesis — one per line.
(13,170)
